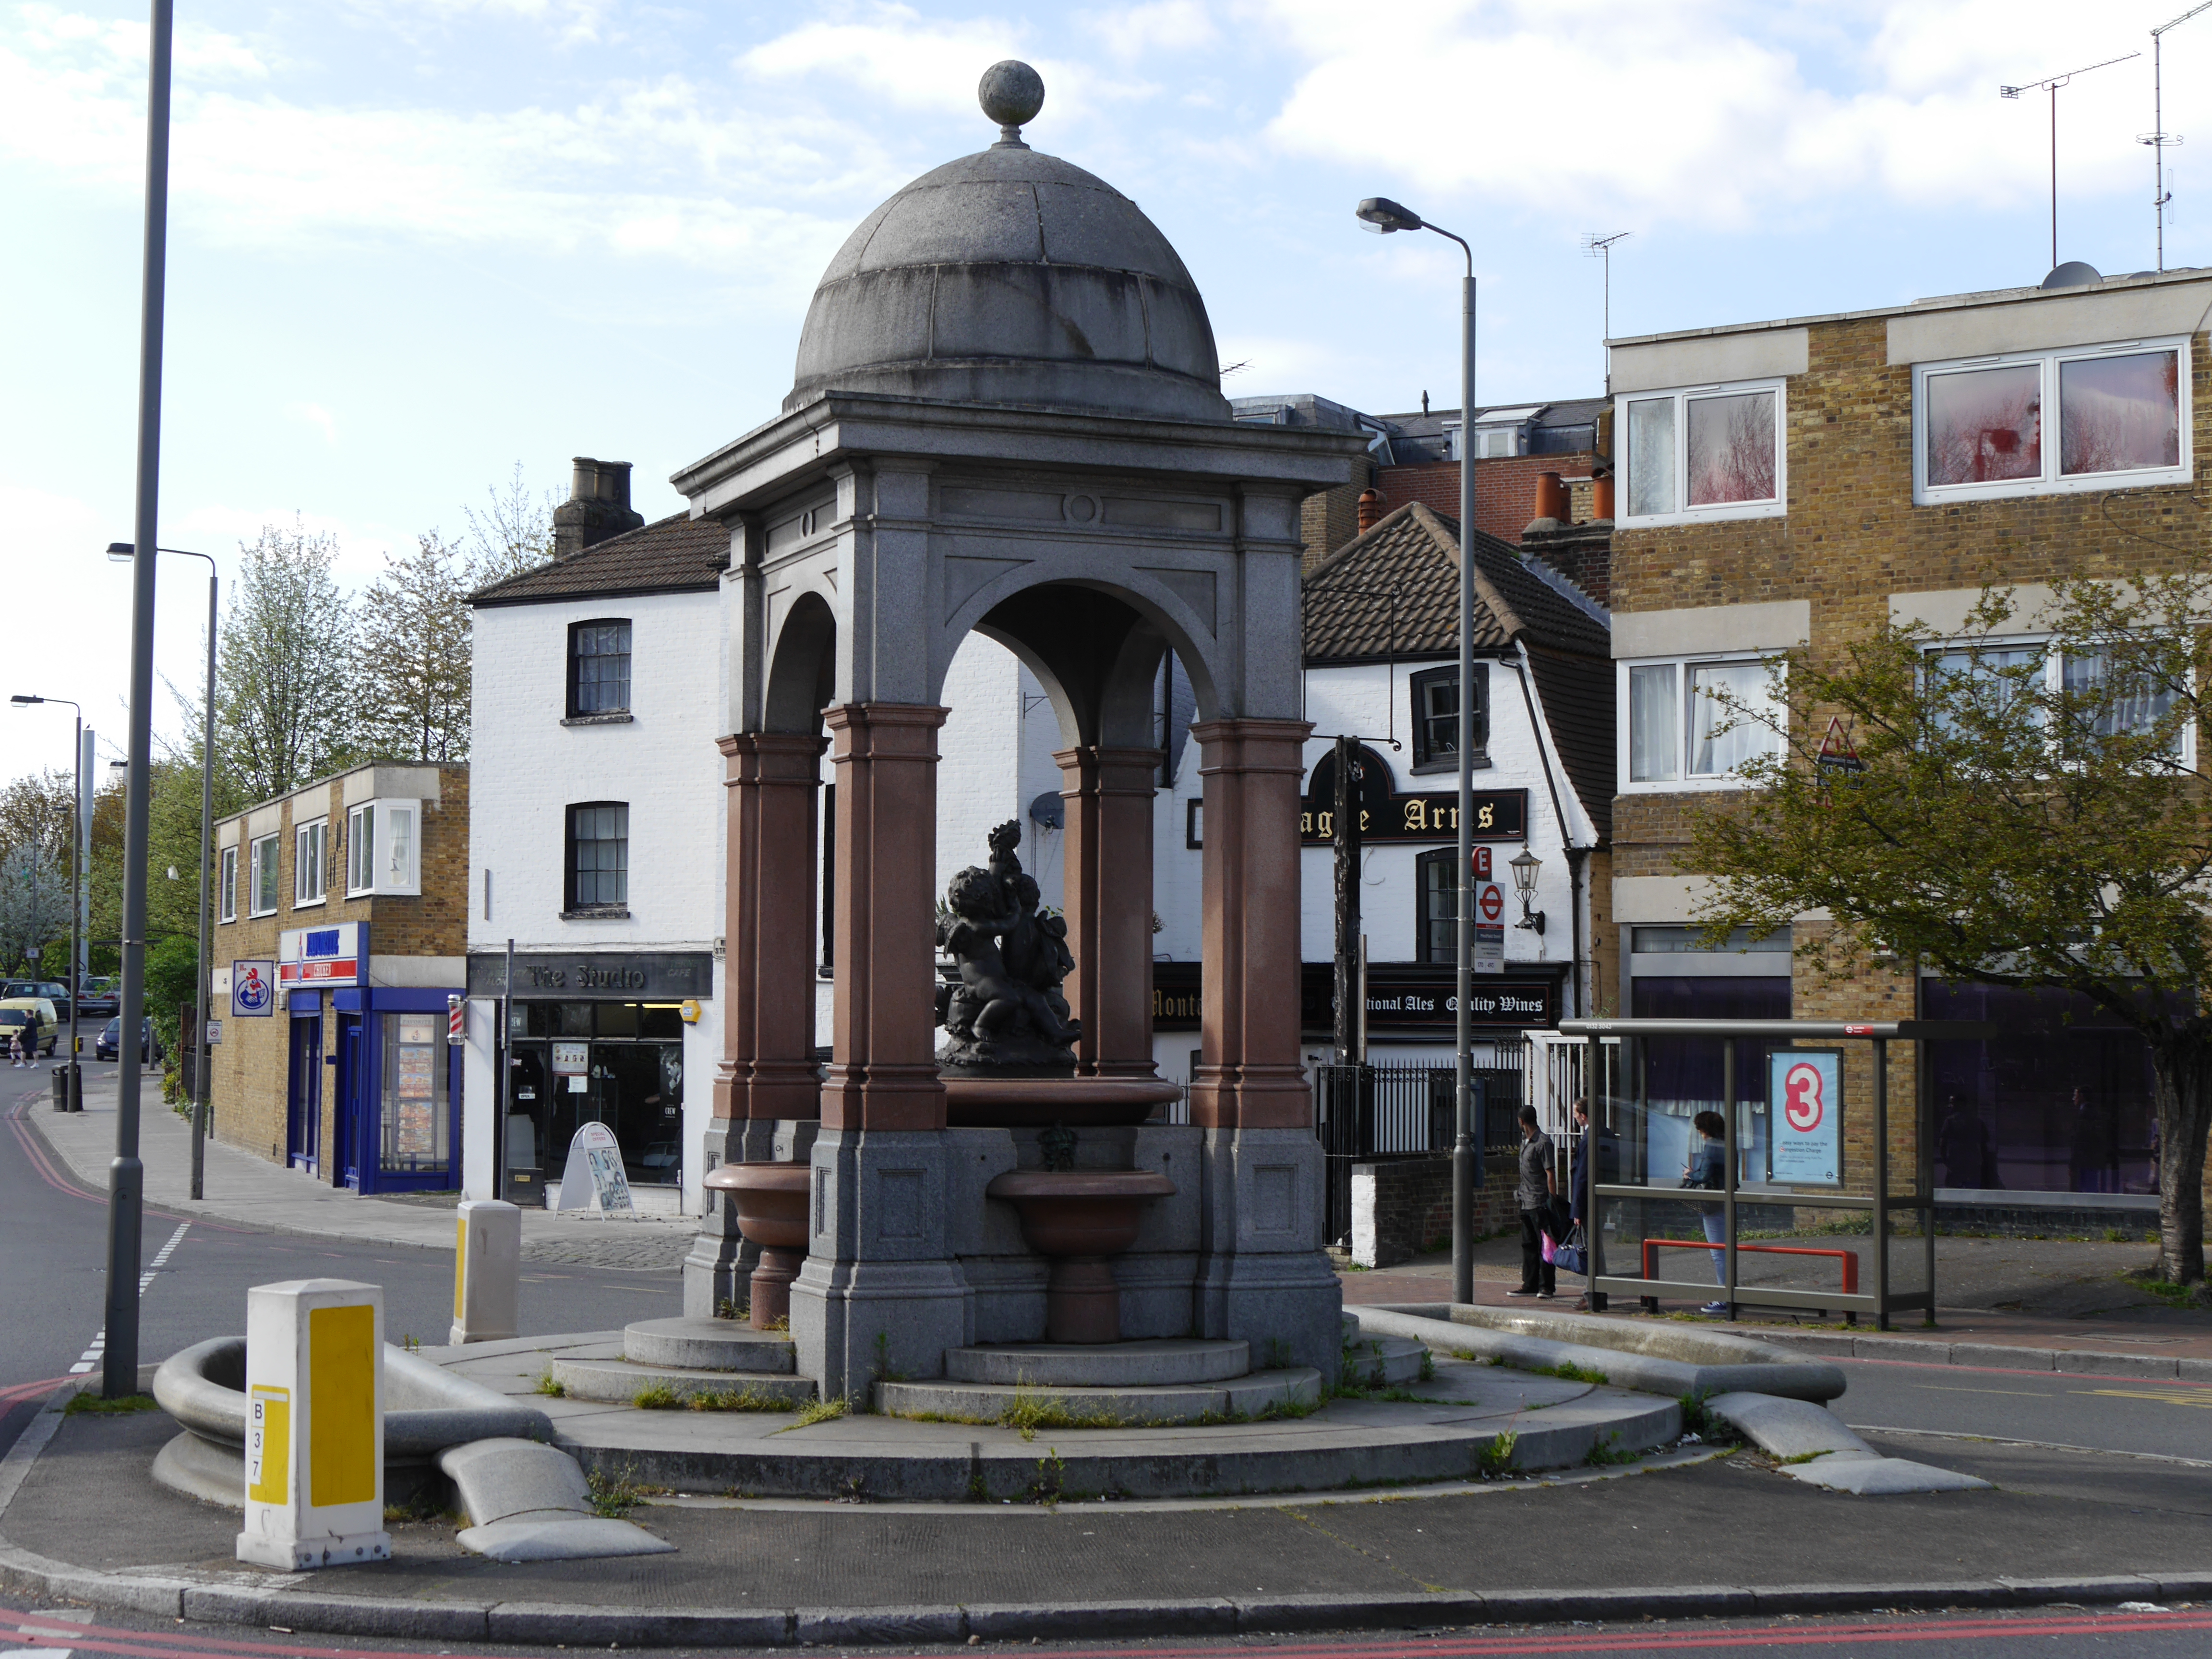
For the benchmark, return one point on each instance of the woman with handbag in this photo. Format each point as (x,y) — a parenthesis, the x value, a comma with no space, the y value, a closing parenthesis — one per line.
(1707,1169)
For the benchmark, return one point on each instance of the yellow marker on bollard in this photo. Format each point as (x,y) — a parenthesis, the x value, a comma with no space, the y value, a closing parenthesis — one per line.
(486,1271)
(314,1424)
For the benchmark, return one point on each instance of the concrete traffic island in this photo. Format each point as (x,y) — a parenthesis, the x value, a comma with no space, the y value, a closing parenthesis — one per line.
(1169,1419)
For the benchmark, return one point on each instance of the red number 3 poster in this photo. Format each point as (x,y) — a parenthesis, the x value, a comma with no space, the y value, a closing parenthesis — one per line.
(1805,1106)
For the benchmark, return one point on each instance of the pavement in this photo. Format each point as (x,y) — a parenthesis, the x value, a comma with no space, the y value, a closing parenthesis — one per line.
(2042,1304)
(1728,1535)
(241,1187)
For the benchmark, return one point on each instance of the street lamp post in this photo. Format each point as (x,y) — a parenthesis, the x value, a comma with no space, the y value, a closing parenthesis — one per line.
(69,1086)
(122,553)
(126,1186)
(1383,216)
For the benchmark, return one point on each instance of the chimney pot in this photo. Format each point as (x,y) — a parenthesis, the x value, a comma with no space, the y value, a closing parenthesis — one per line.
(1601,497)
(1551,497)
(598,506)
(1370,509)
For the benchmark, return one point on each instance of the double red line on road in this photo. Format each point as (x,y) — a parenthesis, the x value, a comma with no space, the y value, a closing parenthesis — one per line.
(1621,1635)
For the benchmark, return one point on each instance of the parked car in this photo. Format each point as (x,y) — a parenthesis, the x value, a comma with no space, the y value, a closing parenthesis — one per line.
(101,1001)
(109,1043)
(52,989)
(33,1017)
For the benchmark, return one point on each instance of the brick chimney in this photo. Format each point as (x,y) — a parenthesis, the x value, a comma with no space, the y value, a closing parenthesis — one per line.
(598,507)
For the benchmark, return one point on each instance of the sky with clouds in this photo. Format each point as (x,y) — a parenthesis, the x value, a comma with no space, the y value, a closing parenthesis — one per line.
(415,242)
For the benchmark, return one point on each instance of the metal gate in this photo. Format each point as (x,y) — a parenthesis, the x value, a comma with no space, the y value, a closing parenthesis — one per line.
(1366,1113)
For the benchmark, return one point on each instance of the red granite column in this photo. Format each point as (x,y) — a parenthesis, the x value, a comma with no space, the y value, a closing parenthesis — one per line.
(1249,1074)
(768,979)
(882,1070)
(1108,893)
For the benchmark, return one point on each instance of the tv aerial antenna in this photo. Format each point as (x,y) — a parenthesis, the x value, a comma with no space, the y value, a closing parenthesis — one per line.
(1600,247)
(2052,83)
(2158,137)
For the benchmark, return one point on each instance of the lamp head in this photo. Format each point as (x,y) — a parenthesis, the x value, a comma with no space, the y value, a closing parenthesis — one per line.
(1383,216)
(25,702)
(1524,869)
(121,552)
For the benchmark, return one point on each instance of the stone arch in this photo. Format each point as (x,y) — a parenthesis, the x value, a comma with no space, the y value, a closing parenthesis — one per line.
(1100,638)
(802,671)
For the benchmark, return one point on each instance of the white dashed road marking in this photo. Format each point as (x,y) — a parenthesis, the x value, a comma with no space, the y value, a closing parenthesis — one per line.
(90,1359)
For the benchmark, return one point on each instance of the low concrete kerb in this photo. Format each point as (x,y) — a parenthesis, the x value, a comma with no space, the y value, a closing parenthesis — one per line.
(1993,1356)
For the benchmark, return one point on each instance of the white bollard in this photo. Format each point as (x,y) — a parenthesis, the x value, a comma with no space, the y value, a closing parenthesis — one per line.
(314,1424)
(486,1271)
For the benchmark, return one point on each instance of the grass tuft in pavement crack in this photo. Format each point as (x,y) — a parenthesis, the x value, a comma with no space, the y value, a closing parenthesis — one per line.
(552,1388)
(613,1496)
(98,1406)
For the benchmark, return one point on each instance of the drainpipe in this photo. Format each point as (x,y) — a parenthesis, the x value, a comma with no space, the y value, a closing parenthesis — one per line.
(1575,855)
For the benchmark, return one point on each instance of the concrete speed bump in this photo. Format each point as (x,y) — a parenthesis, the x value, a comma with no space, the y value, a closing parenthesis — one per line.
(1829,1455)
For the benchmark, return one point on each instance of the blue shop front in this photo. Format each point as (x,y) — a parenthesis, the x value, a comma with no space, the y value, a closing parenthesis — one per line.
(385,1056)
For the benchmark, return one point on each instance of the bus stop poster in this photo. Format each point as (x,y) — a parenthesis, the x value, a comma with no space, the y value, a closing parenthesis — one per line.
(1804,1092)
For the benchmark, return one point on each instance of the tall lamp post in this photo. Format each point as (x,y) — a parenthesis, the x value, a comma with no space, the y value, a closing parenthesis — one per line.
(69,1086)
(1383,216)
(126,1185)
(121,553)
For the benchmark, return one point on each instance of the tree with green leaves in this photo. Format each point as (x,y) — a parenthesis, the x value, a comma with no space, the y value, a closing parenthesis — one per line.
(414,655)
(2032,813)
(287,712)
(35,911)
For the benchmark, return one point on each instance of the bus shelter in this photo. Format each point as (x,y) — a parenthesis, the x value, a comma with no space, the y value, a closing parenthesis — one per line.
(1806,1146)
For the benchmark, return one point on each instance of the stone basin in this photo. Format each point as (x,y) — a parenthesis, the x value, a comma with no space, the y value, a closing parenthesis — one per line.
(1039,1102)
(771,1202)
(1079,1217)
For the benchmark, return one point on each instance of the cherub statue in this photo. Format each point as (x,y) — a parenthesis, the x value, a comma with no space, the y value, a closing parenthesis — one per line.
(1007,1008)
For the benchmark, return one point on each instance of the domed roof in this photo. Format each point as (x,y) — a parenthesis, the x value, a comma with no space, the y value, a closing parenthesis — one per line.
(1012,277)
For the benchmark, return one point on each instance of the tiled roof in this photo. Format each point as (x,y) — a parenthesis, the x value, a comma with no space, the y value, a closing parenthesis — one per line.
(677,555)
(1412,556)
(1413,553)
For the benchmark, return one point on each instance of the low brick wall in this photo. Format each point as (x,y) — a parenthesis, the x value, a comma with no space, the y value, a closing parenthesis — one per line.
(1401,1207)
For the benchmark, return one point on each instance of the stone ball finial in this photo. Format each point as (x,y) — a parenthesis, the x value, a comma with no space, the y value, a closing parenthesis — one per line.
(1011,93)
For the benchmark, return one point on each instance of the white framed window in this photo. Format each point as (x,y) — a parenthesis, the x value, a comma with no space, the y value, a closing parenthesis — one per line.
(382,851)
(1708,451)
(261,876)
(2047,422)
(310,842)
(226,885)
(1693,722)
(2004,669)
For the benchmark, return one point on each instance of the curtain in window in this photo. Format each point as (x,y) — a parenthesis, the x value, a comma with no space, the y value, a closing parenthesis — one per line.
(1654,740)
(1716,751)
(1651,456)
(600,836)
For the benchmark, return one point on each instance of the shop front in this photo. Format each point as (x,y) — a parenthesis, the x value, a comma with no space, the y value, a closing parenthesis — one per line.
(594,1038)
(374,1090)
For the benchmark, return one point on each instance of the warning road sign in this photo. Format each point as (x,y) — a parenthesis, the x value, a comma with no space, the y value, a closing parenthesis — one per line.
(1838,753)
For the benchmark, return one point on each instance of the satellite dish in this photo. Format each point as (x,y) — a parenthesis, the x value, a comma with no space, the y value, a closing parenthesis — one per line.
(2074,273)
(1048,811)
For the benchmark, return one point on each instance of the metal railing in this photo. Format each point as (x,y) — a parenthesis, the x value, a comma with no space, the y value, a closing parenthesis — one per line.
(1366,1113)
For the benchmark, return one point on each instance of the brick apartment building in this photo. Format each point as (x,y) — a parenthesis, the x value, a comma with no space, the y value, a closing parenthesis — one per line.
(1796,483)
(339,928)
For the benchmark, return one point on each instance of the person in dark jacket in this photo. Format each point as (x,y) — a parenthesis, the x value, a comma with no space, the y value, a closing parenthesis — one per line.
(1532,1193)
(2096,1148)
(1707,1170)
(1962,1141)
(1578,1179)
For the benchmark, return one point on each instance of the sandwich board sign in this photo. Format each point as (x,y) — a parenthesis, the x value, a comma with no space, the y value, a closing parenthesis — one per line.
(1805,1116)
(595,1179)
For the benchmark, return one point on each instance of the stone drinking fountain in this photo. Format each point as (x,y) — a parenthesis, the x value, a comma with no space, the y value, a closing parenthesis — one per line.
(1008,1062)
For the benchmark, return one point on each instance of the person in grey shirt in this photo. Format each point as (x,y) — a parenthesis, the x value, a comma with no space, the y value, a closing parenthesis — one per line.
(1531,1192)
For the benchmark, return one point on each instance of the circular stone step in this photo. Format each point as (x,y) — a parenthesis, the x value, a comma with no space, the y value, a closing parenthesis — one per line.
(1156,1363)
(1381,1362)
(708,1344)
(1131,1407)
(619,1382)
